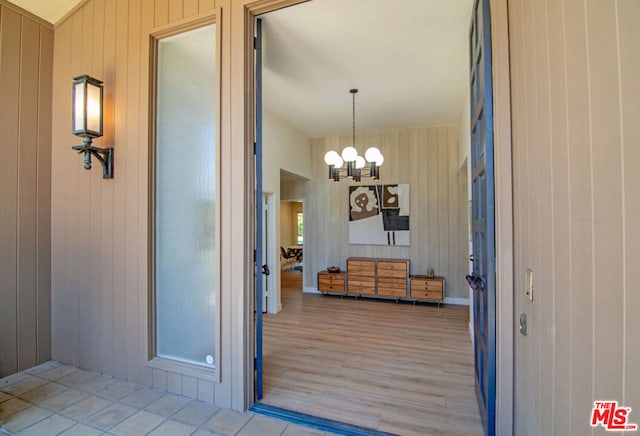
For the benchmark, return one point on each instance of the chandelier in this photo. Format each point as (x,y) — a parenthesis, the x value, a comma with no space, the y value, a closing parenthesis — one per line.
(355,163)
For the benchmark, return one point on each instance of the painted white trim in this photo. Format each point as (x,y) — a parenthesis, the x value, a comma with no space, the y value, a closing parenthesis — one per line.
(457,301)
(311,290)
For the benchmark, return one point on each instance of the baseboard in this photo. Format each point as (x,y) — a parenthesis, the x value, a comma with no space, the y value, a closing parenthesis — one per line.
(447,300)
(310,290)
(456,301)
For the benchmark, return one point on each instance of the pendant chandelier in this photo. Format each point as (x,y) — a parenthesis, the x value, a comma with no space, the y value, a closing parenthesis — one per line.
(355,163)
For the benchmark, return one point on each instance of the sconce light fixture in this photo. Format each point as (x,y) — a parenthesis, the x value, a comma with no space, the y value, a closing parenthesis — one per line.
(87,122)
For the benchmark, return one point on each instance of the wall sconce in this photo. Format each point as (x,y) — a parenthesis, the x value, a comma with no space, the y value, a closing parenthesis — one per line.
(87,122)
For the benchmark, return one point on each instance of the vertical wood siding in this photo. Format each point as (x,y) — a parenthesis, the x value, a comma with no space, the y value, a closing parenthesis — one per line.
(99,227)
(576,136)
(26,58)
(427,160)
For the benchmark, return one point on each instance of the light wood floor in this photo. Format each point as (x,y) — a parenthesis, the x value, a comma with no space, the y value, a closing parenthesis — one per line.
(398,368)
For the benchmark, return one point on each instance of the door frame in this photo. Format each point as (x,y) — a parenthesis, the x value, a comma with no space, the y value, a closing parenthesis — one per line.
(243,127)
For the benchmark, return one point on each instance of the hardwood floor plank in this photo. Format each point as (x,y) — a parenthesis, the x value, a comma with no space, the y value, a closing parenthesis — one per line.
(399,368)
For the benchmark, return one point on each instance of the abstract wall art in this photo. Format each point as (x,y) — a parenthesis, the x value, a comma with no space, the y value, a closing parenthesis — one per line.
(379,215)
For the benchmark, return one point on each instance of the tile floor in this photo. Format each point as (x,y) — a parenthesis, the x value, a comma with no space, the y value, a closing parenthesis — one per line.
(57,399)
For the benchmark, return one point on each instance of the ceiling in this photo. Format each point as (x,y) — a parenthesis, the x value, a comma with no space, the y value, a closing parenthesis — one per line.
(408,58)
(50,10)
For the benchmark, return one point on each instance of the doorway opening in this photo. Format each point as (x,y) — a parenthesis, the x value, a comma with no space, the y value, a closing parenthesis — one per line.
(335,239)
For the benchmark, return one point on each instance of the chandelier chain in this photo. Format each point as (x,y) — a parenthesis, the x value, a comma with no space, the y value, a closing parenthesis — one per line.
(354,118)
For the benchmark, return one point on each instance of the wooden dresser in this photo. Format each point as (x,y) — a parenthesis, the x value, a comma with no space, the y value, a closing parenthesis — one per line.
(392,278)
(424,288)
(377,277)
(361,276)
(331,282)
(383,278)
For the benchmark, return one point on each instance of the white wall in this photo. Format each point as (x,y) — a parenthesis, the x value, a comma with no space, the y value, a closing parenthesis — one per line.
(283,148)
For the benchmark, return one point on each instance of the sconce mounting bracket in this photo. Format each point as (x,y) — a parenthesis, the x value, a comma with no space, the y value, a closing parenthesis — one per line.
(104,155)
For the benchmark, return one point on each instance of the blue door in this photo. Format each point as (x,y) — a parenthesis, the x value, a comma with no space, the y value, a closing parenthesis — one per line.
(482,279)
(259,267)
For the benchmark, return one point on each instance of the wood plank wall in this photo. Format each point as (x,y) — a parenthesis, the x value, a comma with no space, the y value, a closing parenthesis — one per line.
(576,153)
(426,159)
(99,227)
(26,61)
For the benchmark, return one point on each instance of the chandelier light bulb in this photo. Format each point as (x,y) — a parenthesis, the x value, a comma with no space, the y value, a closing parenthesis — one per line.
(331,157)
(349,154)
(360,163)
(338,162)
(380,161)
(372,154)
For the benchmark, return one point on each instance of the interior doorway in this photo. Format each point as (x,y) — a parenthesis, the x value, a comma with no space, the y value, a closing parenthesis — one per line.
(292,236)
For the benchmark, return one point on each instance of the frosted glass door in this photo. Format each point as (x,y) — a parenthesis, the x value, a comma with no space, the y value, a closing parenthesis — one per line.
(185,183)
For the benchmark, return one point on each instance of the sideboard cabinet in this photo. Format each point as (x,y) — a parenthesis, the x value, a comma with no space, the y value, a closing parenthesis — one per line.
(383,278)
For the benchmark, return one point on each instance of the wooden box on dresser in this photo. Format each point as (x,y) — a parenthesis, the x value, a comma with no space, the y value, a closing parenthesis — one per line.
(425,288)
(332,283)
(392,278)
(361,276)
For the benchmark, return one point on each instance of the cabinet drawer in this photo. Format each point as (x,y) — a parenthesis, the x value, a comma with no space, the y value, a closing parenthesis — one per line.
(426,285)
(387,265)
(353,262)
(361,281)
(392,282)
(364,267)
(364,290)
(392,273)
(359,270)
(392,292)
(426,295)
(331,278)
(330,287)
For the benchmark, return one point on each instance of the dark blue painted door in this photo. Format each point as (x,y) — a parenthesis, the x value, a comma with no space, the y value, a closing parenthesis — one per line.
(482,279)
(258,268)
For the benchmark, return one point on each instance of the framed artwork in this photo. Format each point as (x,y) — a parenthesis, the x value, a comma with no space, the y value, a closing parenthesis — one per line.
(379,215)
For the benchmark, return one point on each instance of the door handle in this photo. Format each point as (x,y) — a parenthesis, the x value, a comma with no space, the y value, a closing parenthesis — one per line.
(265,270)
(475,281)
